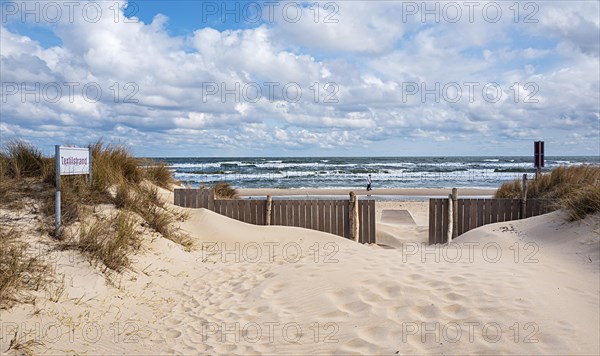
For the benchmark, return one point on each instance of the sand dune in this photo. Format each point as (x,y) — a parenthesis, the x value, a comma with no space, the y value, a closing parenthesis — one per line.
(522,287)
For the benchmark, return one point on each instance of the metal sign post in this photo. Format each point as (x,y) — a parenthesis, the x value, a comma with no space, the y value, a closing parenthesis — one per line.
(69,161)
(57,195)
(538,157)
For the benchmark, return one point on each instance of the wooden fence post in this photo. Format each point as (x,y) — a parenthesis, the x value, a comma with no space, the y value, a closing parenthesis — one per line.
(524,197)
(268,214)
(354,224)
(450,218)
(211,200)
(454,221)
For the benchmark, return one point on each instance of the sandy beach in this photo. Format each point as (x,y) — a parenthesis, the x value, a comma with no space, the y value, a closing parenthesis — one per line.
(520,287)
(194,178)
(405,192)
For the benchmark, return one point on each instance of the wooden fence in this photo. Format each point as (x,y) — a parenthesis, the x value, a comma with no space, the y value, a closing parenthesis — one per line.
(332,216)
(468,214)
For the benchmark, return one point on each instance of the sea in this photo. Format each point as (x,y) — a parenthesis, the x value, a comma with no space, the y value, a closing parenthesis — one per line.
(352,172)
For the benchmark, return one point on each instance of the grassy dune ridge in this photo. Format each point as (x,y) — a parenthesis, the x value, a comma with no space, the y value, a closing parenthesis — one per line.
(574,188)
(103,221)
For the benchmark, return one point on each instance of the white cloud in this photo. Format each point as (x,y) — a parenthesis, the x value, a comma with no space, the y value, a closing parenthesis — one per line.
(155,86)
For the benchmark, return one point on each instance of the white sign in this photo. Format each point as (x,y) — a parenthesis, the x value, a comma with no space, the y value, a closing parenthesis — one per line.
(74,160)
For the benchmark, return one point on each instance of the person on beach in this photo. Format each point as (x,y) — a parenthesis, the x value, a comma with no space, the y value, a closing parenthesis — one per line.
(369,182)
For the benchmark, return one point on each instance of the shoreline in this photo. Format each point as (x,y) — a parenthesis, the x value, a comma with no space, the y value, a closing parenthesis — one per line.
(404,192)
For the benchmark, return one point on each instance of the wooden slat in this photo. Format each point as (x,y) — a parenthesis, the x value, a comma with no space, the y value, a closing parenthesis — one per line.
(329,222)
(189,194)
(247,217)
(239,209)
(201,198)
(516,209)
(488,211)
(480,212)
(365,221)
(431,221)
(438,220)
(536,208)
(494,215)
(297,213)
(372,232)
(276,213)
(362,216)
(323,220)
(302,213)
(506,210)
(346,219)
(206,196)
(474,217)
(330,217)
(261,205)
(321,214)
(253,208)
(198,198)
(211,199)
(190,198)
(467,215)
(233,211)
(224,207)
(310,215)
(284,215)
(443,238)
(176,197)
(340,217)
(460,216)
(242,210)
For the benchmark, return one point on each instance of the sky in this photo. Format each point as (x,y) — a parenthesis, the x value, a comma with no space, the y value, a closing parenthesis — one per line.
(330,78)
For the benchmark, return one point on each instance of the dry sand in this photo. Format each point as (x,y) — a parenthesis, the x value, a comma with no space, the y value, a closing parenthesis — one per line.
(521,287)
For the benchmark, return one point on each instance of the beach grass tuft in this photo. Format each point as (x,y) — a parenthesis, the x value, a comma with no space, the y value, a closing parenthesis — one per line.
(109,240)
(225,191)
(21,271)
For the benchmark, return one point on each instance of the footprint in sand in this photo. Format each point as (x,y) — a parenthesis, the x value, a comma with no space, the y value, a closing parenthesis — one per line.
(453,309)
(272,290)
(355,308)
(371,297)
(375,335)
(336,315)
(259,310)
(172,334)
(454,296)
(428,311)
(172,322)
(358,345)
(225,349)
(343,295)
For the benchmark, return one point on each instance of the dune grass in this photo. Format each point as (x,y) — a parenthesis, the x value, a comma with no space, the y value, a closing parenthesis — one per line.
(225,191)
(20,271)
(574,188)
(109,240)
(26,174)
